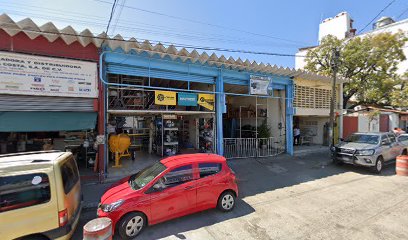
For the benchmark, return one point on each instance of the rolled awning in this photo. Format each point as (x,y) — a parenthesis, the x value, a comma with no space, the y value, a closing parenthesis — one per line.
(46,121)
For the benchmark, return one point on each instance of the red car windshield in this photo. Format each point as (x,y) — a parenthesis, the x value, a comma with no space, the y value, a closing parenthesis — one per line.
(140,179)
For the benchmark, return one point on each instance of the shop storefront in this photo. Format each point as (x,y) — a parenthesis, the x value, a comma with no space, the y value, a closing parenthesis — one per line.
(48,104)
(161,101)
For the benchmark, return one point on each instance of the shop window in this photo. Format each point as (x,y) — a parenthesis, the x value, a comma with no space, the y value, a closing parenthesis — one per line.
(70,175)
(178,176)
(208,169)
(24,191)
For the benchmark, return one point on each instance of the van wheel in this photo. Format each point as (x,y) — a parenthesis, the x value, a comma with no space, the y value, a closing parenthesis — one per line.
(379,164)
(131,225)
(226,201)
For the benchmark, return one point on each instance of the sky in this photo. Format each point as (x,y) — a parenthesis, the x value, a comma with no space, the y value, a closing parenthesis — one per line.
(256,26)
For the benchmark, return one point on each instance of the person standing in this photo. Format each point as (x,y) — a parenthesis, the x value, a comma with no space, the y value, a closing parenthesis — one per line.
(296,135)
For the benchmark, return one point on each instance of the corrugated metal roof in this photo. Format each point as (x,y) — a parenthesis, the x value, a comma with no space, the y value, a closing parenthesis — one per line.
(69,35)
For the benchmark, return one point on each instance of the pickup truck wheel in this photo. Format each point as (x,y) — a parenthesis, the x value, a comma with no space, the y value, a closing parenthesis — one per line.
(379,164)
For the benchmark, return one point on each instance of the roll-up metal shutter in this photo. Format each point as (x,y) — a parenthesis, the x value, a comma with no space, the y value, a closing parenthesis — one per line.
(13,103)
(156,73)
(235,81)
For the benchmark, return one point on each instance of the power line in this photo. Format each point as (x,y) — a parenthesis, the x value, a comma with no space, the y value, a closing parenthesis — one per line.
(204,23)
(403,12)
(97,18)
(111,15)
(118,16)
(170,43)
(368,24)
(161,31)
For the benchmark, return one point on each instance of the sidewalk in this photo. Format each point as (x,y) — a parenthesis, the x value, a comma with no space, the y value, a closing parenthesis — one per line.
(310,149)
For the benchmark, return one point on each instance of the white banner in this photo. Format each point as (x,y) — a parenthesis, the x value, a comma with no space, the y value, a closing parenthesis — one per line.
(44,76)
(259,85)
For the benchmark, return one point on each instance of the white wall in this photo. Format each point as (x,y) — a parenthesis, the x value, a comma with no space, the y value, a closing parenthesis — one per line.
(363,124)
(337,26)
(277,115)
(394,120)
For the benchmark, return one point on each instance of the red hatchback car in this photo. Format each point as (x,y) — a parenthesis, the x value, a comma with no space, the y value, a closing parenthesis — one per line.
(171,188)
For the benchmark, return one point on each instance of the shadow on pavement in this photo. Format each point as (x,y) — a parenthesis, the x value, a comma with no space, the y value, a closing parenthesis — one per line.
(255,176)
(175,227)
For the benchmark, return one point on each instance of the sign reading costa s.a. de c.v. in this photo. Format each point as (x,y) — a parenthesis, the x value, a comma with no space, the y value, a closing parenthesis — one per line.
(25,74)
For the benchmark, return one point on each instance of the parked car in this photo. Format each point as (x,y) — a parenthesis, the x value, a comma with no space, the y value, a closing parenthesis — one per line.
(403,138)
(171,188)
(40,195)
(368,150)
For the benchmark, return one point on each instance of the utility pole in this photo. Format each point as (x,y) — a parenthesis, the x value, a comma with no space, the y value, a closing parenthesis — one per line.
(334,67)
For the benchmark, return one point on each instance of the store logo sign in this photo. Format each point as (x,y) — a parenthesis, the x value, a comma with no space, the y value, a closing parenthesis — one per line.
(165,98)
(206,100)
(187,99)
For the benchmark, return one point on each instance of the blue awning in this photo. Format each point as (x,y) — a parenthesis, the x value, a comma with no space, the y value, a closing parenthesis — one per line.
(46,121)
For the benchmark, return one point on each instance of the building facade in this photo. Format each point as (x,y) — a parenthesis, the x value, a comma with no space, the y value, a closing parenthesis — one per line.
(312,96)
(49,90)
(110,99)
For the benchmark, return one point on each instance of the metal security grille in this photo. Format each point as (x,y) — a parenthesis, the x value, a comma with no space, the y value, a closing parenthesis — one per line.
(17,103)
(310,97)
(252,147)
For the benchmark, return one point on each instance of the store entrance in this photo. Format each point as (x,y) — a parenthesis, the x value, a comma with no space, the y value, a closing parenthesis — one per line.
(153,135)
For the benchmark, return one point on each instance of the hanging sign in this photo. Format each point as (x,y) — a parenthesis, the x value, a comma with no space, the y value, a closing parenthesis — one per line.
(206,100)
(187,99)
(165,98)
(259,85)
(22,74)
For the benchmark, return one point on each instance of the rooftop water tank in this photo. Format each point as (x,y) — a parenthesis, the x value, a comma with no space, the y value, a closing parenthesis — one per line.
(383,21)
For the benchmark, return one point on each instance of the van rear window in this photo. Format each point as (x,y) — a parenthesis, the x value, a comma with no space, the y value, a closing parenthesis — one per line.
(24,191)
(70,176)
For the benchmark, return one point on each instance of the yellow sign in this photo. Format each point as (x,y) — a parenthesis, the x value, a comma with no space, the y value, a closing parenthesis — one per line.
(206,100)
(165,98)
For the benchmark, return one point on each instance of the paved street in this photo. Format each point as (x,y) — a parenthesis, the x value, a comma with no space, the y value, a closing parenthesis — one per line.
(302,198)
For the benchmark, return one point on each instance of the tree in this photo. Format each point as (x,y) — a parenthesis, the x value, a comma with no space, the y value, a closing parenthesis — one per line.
(399,95)
(369,63)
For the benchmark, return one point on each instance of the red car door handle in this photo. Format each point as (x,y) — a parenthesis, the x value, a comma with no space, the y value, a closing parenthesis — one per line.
(188,187)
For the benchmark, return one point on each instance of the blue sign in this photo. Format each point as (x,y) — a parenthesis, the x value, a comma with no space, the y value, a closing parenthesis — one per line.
(187,99)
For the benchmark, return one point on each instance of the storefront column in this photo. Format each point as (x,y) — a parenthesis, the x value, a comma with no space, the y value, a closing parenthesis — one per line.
(289,118)
(220,108)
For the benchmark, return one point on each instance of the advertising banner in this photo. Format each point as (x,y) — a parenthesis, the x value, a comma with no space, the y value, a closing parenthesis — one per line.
(165,98)
(206,100)
(259,85)
(24,74)
(187,99)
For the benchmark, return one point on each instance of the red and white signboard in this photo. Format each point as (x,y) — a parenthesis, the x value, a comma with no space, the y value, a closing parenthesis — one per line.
(24,74)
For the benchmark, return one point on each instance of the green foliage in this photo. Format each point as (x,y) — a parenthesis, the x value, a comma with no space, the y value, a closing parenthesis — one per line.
(264,131)
(370,63)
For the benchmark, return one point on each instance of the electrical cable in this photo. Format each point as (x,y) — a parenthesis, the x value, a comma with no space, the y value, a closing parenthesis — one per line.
(204,23)
(97,18)
(170,43)
(368,24)
(118,15)
(110,17)
(164,32)
(403,12)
